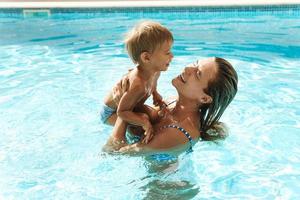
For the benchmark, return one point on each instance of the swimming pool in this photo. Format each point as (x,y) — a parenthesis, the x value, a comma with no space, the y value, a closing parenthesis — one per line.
(55,71)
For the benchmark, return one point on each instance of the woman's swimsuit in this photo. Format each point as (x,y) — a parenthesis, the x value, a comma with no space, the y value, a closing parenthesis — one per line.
(163,156)
(167,157)
(191,141)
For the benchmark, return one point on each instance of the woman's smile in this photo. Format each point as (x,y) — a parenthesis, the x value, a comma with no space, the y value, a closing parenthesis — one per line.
(182,78)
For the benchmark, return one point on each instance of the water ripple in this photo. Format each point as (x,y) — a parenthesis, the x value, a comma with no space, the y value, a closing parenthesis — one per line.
(54,74)
(61,37)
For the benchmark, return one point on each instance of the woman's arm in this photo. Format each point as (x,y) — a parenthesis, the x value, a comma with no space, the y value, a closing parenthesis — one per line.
(165,140)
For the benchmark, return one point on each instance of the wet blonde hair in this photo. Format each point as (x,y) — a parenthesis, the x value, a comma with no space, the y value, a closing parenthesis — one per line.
(222,89)
(146,36)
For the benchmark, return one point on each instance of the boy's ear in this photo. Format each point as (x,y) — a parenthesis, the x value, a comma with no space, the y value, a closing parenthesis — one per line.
(205,99)
(145,57)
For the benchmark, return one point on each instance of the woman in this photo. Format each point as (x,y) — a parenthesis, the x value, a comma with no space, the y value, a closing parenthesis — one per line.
(204,89)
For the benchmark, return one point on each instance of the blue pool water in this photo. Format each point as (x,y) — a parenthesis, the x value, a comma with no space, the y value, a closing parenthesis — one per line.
(54,73)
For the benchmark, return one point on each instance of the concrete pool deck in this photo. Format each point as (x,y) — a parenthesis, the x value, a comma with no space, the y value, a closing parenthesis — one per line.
(138,3)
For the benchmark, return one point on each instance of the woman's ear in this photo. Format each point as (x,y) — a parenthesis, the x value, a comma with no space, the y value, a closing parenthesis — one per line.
(145,57)
(205,99)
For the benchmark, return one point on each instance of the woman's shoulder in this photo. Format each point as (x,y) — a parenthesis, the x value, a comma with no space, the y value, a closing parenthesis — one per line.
(176,134)
(191,127)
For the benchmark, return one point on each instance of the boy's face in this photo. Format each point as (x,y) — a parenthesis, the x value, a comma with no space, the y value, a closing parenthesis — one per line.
(162,56)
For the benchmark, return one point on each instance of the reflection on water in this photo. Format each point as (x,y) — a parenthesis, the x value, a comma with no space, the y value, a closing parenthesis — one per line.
(159,189)
(157,167)
(165,181)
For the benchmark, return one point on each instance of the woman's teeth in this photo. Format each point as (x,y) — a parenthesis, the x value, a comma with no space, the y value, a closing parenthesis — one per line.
(182,78)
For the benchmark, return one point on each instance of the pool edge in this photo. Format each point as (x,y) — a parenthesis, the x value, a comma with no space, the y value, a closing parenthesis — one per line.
(132,4)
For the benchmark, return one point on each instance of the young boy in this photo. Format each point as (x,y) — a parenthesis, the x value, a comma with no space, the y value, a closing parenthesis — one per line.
(149,46)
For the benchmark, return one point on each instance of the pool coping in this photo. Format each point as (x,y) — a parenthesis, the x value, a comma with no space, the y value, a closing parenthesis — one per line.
(143,3)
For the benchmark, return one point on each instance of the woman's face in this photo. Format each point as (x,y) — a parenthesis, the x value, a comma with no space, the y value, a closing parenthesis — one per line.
(194,79)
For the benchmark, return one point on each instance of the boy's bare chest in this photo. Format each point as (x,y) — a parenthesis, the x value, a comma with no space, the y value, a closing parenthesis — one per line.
(149,87)
(148,84)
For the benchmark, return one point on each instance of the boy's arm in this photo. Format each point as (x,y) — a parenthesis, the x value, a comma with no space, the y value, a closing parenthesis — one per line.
(127,103)
(157,98)
(129,100)
(158,101)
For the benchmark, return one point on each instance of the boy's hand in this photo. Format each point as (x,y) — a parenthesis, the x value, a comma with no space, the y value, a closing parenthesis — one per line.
(148,133)
(157,99)
(163,111)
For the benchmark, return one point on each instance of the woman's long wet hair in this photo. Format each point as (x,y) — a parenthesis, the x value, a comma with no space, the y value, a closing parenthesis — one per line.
(222,90)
